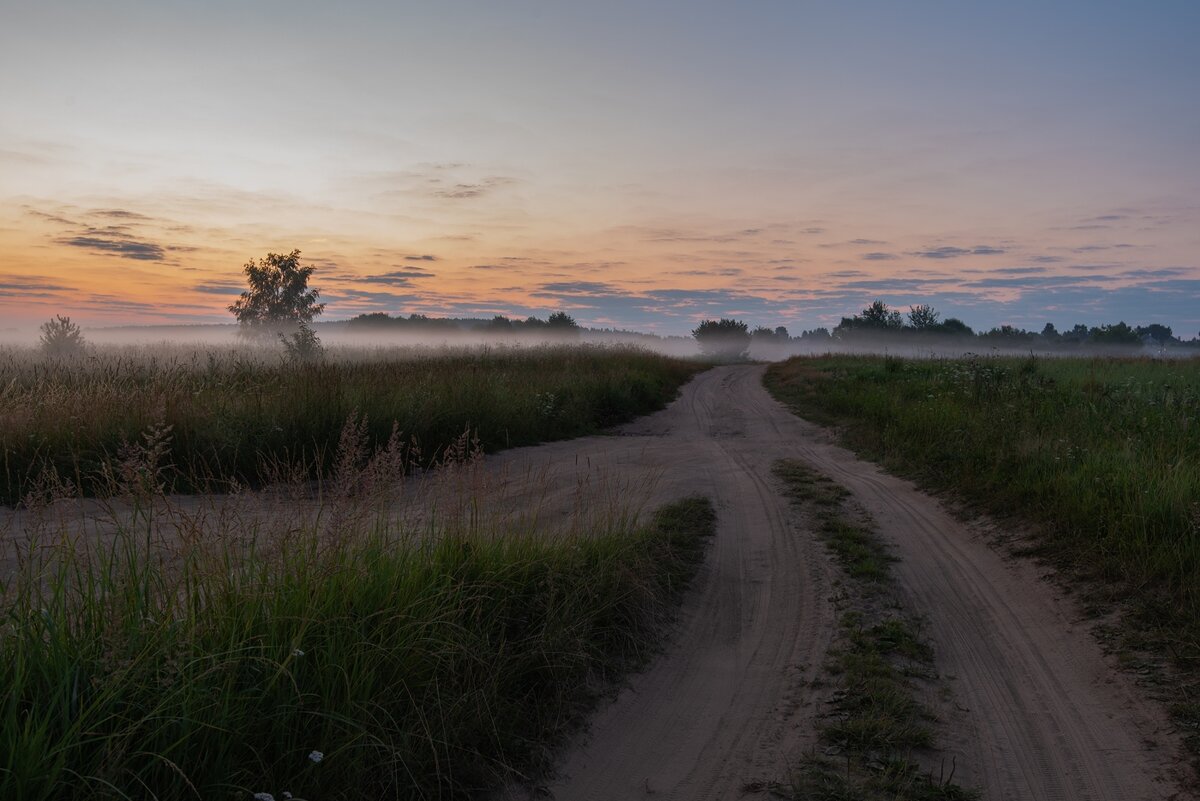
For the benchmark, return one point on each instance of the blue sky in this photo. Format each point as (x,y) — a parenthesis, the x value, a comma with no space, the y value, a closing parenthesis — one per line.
(641,165)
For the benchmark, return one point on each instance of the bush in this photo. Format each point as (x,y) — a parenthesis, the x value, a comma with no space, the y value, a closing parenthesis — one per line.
(61,337)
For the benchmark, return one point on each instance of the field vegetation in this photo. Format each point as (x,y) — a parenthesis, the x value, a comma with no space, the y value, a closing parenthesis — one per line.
(1100,456)
(320,651)
(247,417)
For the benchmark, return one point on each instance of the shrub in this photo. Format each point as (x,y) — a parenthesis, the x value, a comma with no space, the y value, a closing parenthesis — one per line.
(61,337)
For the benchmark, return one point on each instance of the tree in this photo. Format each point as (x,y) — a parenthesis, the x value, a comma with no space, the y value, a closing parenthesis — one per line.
(878,315)
(954,327)
(725,339)
(278,300)
(562,323)
(762,334)
(923,317)
(1162,334)
(1050,333)
(500,324)
(1115,334)
(875,318)
(1078,333)
(61,337)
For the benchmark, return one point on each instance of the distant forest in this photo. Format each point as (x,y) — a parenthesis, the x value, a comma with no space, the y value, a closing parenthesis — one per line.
(877,322)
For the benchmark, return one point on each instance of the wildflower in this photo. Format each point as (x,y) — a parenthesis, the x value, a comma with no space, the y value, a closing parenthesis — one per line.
(316,756)
(287,796)
(297,652)
(263,797)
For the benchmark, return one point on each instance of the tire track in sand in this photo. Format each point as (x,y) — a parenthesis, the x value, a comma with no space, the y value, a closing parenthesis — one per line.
(1045,715)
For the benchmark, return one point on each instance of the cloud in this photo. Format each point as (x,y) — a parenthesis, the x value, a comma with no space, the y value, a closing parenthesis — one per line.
(949,252)
(580,288)
(393,278)
(425,257)
(1165,272)
(879,256)
(1019,271)
(219,288)
(49,217)
(30,283)
(120,214)
(23,288)
(465,191)
(897,284)
(118,245)
(727,272)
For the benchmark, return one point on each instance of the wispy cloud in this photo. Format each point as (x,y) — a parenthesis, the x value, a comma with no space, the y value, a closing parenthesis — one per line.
(117,244)
(951,252)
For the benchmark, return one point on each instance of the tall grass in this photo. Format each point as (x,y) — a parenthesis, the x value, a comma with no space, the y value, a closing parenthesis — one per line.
(1102,455)
(370,663)
(246,417)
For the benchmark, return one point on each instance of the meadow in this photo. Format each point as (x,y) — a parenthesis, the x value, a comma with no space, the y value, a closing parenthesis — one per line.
(301,644)
(324,647)
(1099,458)
(219,420)
(362,661)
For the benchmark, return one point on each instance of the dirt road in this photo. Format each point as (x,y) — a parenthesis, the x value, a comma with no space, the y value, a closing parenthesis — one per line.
(1042,714)
(1039,713)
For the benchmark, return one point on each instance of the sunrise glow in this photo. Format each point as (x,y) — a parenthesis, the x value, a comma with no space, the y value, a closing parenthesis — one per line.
(642,166)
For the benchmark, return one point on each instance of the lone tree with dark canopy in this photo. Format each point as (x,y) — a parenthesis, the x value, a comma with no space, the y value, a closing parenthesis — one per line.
(278,301)
(723,339)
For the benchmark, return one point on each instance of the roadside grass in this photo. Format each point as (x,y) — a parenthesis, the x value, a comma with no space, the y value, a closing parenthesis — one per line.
(247,417)
(1101,456)
(875,726)
(369,663)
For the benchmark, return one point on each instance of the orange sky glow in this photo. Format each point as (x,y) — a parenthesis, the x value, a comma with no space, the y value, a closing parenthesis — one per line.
(783,165)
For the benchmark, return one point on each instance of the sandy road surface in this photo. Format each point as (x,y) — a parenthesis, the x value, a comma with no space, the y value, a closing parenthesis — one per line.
(1042,713)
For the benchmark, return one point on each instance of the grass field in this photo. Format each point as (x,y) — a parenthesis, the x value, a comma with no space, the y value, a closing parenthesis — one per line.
(1101,456)
(217,418)
(362,663)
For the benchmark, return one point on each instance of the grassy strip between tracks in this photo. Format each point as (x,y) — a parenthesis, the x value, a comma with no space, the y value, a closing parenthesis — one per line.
(377,665)
(875,729)
(1100,457)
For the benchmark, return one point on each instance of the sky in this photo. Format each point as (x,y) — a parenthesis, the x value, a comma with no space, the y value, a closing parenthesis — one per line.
(641,165)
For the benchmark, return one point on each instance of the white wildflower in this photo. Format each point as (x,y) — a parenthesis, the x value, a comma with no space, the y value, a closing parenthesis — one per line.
(316,756)
(263,797)
(297,652)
